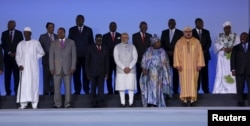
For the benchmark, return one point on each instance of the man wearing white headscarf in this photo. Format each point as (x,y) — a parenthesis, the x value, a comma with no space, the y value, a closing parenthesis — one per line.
(125,56)
(224,81)
(28,53)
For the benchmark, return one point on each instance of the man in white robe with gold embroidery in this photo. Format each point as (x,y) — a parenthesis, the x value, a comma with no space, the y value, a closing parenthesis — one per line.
(224,81)
(28,53)
(125,56)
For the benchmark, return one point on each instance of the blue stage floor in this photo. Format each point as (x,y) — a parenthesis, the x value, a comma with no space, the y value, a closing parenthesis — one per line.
(174,116)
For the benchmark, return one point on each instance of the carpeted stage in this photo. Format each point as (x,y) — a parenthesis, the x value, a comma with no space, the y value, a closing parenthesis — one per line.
(112,114)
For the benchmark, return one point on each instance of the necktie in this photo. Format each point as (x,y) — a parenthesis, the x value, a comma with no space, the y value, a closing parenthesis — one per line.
(11,34)
(113,36)
(99,48)
(62,44)
(51,37)
(245,47)
(199,34)
(143,37)
(170,36)
(80,29)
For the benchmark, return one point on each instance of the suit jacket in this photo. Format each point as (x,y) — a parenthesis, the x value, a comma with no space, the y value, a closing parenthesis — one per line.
(45,41)
(62,59)
(107,40)
(82,39)
(97,63)
(205,41)
(10,46)
(240,59)
(1,58)
(167,45)
(139,45)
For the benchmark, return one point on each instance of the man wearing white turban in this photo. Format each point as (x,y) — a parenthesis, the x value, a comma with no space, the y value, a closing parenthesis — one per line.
(224,81)
(27,56)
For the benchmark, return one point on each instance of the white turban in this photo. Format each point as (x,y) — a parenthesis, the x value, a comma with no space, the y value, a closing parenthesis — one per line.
(27,29)
(227,23)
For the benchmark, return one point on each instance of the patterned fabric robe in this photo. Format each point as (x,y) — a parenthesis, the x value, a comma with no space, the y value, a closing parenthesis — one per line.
(158,81)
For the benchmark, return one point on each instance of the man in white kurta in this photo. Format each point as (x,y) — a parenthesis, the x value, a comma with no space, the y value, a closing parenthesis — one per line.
(224,81)
(27,57)
(125,56)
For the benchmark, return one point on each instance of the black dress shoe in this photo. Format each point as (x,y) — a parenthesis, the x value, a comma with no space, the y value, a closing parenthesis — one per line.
(185,104)
(192,104)
(8,94)
(69,106)
(46,93)
(54,106)
(123,105)
(241,104)
(51,93)
(76,93)
(132,105)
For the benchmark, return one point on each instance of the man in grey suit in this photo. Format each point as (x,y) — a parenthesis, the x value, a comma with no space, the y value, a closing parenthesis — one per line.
(46,39)
(62,63)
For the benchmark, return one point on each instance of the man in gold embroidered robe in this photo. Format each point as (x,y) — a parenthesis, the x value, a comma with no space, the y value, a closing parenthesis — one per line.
(188,59)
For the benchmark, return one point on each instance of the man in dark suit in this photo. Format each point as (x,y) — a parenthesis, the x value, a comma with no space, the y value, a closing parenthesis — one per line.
(111,39)
(97,66)
(204,36)
(62,63)
(10,39)
(46,40)
(1,60)
(83,37)
(169,37)
(141,41)
(240,60)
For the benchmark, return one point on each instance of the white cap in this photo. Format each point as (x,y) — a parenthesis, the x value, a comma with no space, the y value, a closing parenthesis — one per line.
(27,29)
(227,23)
(187,28)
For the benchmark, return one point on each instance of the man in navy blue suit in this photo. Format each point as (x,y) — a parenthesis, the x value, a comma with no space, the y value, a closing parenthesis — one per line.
(10,39)
(111,39)
(83,37)
(240,60)
(97,66)
(203,35)
(169,38)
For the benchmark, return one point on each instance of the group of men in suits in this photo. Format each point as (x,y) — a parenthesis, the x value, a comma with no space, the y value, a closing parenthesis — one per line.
(83,40)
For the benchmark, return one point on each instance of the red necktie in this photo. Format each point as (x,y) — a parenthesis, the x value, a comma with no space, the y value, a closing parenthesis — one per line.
(143,37)
(113,36)
(62,44)
(99,48)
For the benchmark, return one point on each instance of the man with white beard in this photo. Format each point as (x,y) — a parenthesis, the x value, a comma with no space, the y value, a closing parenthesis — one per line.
(125,56)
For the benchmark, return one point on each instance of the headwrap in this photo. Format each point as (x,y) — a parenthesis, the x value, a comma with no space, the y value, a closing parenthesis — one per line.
(227,23)
(154,39)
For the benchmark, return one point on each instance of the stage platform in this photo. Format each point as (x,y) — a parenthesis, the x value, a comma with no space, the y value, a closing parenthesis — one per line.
(138,116)
(113,101)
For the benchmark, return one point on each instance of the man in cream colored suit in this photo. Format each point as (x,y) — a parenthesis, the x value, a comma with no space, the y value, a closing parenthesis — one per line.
(62,63)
